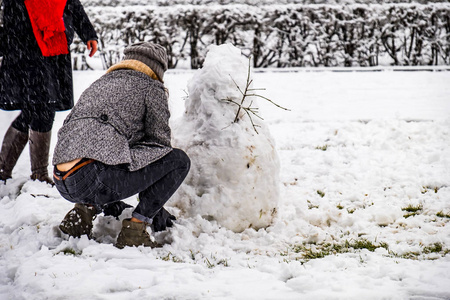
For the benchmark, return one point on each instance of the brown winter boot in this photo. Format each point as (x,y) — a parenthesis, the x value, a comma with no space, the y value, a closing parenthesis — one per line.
(13,144)
(78,221)
(39,151)
(134,234)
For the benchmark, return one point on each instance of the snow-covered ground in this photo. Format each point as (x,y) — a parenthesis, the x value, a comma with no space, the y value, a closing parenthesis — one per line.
(364,210)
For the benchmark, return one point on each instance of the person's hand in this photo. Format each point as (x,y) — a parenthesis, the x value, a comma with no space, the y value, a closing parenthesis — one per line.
(162,220)
(92,47)
(115,209)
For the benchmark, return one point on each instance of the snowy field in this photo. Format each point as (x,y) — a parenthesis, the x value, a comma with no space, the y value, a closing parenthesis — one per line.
(364,210)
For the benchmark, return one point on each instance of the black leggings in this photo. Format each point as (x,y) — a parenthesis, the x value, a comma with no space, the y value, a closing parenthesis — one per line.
(37,118)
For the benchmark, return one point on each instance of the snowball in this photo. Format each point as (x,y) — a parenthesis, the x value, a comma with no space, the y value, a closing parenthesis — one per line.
(234,176)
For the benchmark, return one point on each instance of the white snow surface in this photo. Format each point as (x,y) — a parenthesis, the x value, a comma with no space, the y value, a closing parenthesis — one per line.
(234,177)
(357,151)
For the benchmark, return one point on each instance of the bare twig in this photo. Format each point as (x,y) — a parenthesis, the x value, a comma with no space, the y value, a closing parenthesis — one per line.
(248,92)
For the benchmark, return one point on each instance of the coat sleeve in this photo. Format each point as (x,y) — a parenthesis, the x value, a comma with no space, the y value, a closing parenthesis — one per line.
(2,39)
(2,29)
(157,130)
(83,27)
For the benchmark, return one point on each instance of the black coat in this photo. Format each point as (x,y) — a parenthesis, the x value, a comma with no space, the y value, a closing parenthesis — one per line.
(27,77)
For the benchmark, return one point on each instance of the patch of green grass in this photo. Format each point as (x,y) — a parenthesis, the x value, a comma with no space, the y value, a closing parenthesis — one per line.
(309,254)
(366,244)
(435,248)
(323,148)
(70,251)
(306,252)
(412,214)
(320,193)
(425,189)
(339,206)
(412,210)
(408,255)
(311,206)
(441,214)
(192,254)
(223,262)
(209,264)
(171,257)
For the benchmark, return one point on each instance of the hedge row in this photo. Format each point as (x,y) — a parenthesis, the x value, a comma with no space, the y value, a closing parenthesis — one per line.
(248,2)
(282,35)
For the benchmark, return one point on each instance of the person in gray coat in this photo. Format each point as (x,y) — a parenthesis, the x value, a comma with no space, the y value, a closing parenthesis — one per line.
(116,143)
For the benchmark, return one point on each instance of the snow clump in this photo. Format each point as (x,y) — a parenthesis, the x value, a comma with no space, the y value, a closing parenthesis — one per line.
(234,176)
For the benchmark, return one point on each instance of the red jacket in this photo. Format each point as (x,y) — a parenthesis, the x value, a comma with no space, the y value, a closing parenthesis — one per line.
(48,25)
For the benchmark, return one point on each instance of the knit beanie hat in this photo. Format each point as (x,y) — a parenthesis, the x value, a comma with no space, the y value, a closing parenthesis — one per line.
(153,55)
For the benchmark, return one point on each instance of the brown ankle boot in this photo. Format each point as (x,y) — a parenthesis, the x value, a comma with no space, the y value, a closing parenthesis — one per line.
(13,144)
(134,234)
(39,151)
(78,221)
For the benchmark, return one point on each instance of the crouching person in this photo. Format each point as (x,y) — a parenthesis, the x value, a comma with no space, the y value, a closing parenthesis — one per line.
(115,143)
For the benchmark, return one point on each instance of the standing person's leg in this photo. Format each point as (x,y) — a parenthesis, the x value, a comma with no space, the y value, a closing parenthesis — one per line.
(40,136)
(14,141)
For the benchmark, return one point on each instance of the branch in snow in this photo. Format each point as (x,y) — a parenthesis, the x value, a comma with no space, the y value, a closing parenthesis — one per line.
(249,110)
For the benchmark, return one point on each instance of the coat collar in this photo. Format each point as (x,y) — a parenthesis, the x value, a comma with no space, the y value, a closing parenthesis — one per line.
(134,65)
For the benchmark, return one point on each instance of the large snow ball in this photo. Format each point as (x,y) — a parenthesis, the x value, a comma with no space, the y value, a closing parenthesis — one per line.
(234,176)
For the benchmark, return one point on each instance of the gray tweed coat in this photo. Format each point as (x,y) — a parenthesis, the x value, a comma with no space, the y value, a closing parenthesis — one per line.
(122,118)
